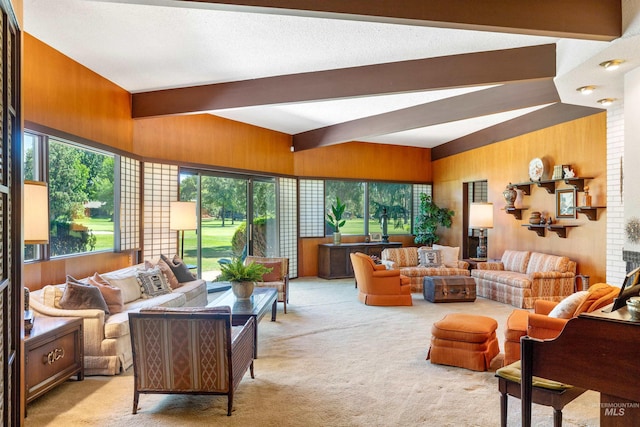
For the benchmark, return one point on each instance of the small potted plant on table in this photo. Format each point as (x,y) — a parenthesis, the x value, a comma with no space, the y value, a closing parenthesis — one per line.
(335,219)
(242,277)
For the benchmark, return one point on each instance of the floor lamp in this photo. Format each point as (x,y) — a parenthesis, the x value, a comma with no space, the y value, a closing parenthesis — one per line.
(481,217)
(35,219)
(182,216)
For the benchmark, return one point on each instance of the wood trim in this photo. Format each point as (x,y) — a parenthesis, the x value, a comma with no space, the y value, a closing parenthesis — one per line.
(471,69)
(480,103)
(540,119)
(585,19)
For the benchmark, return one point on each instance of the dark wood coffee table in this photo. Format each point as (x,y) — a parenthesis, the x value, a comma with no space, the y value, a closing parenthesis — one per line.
(257,306)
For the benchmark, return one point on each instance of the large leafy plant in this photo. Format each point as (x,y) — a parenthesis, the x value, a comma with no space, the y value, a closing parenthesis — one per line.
(335,216)
(429,218)
(237,271)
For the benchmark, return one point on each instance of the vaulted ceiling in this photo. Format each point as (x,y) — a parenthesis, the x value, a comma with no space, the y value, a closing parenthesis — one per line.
(448,75)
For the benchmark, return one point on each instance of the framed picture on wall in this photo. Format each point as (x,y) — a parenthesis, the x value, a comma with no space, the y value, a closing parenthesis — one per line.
(375,237)
(566,203)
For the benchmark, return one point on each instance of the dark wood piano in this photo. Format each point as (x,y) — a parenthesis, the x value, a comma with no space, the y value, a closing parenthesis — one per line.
(598,351)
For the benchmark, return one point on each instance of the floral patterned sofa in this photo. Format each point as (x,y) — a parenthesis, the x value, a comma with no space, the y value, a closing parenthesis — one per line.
(407,260)
(522,277)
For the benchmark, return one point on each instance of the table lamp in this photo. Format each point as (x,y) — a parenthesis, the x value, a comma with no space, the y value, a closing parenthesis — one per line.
(481,217)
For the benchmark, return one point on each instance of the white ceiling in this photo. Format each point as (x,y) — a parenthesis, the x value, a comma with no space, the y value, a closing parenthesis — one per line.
(143,47)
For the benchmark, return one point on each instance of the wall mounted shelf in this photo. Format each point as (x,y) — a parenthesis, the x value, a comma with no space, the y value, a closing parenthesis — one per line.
(550,184)
(559,229)
(516,212)
(590,211)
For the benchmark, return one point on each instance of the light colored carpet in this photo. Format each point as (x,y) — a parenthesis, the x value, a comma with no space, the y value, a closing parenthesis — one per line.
(330,361)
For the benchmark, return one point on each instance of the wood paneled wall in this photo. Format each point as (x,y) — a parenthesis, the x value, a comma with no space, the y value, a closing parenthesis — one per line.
(61,94)
(39,274)
(580,143)
(210,140)
(361,160)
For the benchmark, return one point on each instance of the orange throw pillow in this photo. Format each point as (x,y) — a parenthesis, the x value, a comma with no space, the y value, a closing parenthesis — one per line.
(112,295)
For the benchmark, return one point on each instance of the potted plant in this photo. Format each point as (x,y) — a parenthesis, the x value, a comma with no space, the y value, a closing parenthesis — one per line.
(429,218)
(335,219)
(241,276)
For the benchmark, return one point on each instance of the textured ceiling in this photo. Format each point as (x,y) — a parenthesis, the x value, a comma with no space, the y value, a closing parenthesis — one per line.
(169,44)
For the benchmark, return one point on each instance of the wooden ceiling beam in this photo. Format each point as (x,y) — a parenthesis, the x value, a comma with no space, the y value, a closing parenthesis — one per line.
(471,69)
(536,120)
(499,99)
(582,19)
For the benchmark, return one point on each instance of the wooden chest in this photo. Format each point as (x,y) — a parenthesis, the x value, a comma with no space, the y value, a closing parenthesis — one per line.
(449,289)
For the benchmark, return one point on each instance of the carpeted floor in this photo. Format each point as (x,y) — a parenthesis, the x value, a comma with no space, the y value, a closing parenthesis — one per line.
(330,361)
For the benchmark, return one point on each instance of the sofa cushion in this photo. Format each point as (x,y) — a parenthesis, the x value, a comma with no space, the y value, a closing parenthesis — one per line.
(543,262)
(166,270)
(449,255)
(129,285)
(173,299)
(112,295)
(179,269)
(153,283)
(516,261)
(428,257)
(511,278)
(81,296)
(403,257)
(567,307)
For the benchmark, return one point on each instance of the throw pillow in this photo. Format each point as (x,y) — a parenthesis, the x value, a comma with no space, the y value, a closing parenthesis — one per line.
(275,275)
(179,269)
(153,283)
(168,274)
(429,258)
(81,296)
(568,306)
(112,295)
(449,254)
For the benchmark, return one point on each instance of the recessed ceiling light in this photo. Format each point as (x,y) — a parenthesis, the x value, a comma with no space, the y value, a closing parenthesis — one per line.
(586,90)
(605,102)
(612,64)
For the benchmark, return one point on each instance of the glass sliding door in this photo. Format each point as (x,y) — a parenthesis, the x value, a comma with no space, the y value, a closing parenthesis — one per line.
(230,209)
(264,233)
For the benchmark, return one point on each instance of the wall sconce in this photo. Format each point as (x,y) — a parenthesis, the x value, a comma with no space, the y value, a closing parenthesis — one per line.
(182,216)
(586,90)
(481,217)
(605,102)
(612,64)
(36,213)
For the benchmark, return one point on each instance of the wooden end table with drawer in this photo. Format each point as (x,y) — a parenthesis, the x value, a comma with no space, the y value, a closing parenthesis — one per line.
(53,353)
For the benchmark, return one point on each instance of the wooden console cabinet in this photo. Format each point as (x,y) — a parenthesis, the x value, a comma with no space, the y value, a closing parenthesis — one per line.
(334,261)
(53,353)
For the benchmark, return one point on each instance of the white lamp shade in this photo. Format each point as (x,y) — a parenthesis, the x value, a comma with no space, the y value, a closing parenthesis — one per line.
(36,213)
(182,216)
(481,215)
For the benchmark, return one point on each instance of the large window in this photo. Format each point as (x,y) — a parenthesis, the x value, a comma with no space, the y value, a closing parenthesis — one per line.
(351,193)
(81,194)
(395,200)
(365,204)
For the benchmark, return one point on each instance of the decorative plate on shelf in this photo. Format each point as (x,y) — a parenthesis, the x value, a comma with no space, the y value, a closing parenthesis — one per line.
(536,169)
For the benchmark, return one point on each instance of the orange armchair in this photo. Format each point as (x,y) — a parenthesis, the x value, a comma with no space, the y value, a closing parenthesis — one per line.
(539,325)
(377,285)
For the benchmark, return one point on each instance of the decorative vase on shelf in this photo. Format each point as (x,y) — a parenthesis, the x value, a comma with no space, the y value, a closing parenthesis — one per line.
(510,196)
(337,238)
(535,218)
(586,199)
(242,290)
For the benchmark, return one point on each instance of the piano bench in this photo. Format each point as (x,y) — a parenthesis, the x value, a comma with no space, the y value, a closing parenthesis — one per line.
(544,392)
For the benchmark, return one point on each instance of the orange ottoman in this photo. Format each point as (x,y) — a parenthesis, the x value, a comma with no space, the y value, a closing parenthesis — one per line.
(464,340)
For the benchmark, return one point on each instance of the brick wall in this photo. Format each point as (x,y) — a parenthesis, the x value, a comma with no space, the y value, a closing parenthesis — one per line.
(616,267)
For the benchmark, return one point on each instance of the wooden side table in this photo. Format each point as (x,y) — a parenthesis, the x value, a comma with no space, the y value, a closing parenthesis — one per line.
(53,353)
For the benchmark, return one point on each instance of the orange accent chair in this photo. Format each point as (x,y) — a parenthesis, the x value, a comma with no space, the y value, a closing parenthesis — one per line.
(377,285)
(539,325)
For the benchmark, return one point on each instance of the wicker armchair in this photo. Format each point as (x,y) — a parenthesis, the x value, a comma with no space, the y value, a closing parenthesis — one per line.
(278,278)
(189,351)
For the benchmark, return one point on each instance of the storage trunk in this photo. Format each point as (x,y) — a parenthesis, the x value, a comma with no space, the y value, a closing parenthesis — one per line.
(449,289)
